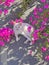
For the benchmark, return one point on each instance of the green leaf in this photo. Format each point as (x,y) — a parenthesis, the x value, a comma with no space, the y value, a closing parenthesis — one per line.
(47,44)
(47,30)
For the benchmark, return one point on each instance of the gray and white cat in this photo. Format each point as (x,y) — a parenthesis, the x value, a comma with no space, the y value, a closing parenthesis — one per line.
(21,28)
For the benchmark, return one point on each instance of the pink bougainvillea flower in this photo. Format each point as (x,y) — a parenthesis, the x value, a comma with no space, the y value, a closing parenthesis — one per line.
(45,19)
(43,49)
(36,9)
(0,11)
(11,32)
(36,31)
(48,13)
(7,4)
(43,1)
(47,57)
(2,43)
(5,11)
(42,28)
(46,6)
(43,23)
(21,20)
(45,34)
(17,20)
(6,34)
(48,39)
(40,9)
(34,22)
(35,34)
(35,12)
(11,1)
(0,1)
(30,18)
(29,28)
(37,16)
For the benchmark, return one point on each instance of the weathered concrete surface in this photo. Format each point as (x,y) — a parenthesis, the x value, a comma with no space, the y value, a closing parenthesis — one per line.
(17,53)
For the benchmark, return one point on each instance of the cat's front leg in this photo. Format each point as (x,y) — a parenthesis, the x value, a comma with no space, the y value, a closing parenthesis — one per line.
(17,38)
(26,41)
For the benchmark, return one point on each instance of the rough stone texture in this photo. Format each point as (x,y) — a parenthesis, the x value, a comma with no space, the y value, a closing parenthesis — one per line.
(17,53)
